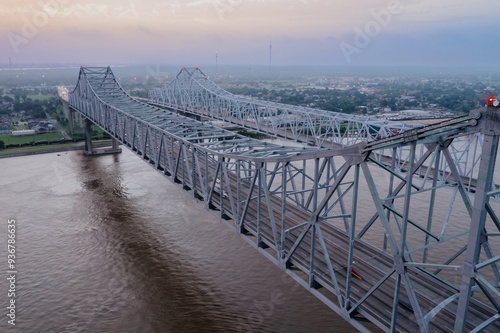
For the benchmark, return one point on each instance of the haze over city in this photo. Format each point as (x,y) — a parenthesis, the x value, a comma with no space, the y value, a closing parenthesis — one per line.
(302,32)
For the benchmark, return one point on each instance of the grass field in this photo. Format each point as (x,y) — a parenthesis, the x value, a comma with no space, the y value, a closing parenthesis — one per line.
(37,149)
(17,140)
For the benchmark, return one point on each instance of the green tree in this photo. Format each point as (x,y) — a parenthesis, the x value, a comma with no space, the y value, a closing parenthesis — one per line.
(2,144)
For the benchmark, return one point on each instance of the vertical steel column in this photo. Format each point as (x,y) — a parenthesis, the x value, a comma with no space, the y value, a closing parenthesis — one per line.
(284,166)
(207,194)
(193,172)
(221,187)
(238,191)
(407,204)
(312,283)
(352,231)
(303,171)
(71,120)
(258,174)
(432,202)
(183,160)
(391,189)
(476,233)
(398,264)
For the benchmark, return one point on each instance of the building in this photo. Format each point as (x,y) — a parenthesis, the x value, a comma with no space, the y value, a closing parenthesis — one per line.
(23,133)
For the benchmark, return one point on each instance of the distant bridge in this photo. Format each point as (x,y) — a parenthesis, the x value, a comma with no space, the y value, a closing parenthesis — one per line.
(372,241)
(193,92)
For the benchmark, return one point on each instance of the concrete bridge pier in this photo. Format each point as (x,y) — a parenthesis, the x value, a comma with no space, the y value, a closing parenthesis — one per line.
(69,113)
(71,121)
(88,137)
(115,144)
(90,151)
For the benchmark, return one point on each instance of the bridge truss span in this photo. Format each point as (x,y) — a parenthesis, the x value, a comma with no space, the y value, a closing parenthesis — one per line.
(370,240)
(193,92)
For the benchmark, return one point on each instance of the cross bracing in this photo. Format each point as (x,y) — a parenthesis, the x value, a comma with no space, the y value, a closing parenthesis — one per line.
(395,246)
(141,119)
(192,91)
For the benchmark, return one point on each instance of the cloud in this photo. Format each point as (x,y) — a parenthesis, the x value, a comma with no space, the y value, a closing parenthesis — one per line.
(302,31)
(87,34)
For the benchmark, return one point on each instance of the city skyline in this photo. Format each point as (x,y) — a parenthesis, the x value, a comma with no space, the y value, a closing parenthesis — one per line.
(302,32)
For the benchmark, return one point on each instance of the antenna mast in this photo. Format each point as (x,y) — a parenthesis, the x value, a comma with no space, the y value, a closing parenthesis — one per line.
(216,65)
(270,53)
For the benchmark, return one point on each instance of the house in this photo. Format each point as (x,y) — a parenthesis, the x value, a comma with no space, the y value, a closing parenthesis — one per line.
(41,129)
(5,128)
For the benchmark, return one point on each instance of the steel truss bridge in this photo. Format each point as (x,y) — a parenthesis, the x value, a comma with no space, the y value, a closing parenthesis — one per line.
(407,249)
(193,92)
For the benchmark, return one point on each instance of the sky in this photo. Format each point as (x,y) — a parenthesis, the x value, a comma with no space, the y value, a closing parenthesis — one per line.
(239,32)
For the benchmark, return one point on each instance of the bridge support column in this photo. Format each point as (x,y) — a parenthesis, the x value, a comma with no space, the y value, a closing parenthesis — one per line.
(71,121)
(478,238)
(69,113)
(88,137)
(89,151)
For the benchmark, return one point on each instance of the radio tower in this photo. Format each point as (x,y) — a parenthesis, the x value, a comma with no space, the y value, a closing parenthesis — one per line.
(216,65)
(270,53)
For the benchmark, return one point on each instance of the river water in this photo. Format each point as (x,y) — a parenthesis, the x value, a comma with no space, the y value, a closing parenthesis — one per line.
(107,244)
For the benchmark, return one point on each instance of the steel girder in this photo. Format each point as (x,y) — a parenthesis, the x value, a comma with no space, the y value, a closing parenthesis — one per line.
(191,91)
(373,237)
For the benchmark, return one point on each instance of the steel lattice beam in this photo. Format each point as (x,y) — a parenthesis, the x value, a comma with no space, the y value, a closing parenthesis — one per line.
(367,232)
(192,91)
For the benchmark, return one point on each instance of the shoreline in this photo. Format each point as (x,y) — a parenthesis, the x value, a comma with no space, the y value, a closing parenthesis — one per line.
(39,152)
(47,149)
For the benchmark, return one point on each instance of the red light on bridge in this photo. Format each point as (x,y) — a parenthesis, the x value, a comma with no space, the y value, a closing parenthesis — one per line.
(493,101)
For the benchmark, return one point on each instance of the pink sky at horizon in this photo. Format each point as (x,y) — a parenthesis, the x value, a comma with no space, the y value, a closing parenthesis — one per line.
(175,31)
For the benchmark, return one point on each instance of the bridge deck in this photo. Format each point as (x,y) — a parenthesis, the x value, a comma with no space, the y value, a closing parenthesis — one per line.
(371,266)
(323,142)
(207,161)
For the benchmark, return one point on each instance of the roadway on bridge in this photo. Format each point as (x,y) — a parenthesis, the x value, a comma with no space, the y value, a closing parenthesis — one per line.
(188,151)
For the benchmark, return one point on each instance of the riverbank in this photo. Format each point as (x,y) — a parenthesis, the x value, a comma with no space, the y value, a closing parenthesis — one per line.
(46,149)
